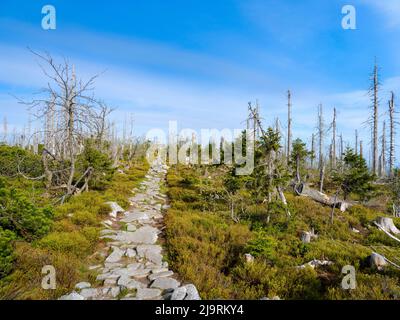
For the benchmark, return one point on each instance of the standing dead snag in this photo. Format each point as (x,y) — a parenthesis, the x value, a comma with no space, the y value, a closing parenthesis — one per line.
(375,115)
(321,164)
(271,174)
(392,135)
(383,151)
(289,127)
(334,139)
(71,114)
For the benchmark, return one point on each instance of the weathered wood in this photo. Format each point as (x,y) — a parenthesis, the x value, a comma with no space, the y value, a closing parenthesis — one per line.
(304,190)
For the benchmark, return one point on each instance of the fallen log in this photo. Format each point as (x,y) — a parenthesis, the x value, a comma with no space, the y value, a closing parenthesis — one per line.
(305,191)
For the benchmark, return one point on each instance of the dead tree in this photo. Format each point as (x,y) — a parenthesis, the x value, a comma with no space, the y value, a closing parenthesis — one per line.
(392,135)
(333,161)
(321,165)
(375,117)
(312,157)
(289,126)
(71,115)
(383,151)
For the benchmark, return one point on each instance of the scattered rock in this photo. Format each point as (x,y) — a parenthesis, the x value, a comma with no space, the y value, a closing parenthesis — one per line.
(191,292)
(164,274)
(116,255)
(115,209)
(179,293)
(82,285)
(376,261)
(146,293)
(248,258)
(72,296)
(89,293)
(165,283)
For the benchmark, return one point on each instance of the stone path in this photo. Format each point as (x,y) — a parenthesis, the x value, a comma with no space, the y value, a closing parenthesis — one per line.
(134,268)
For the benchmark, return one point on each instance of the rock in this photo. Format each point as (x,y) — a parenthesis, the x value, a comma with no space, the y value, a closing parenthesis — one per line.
(143,235)
(89,293)
(116,255)
(164,274)
(130,227)
(159,270)
(72,296)
(146,293)
(179,293)
(106,232)
(165,283)
(129,283)
(141,273)
(249,258)
(108,275)
(143,248)
(376,261)
(110,282)
(355,230)
(191,292)
(115,209)
(135,216)
(82,285)
(115,291)
(130,253)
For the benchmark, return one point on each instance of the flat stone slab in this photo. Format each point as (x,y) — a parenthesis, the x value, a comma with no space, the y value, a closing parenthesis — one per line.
(142,249)
(135,216)
(116,255)
(165,283)
(164,274)
(115,209)
(144,235)
(82,285)
(89,293)
(191,292)
(72,296)
(147,293)
(179,294)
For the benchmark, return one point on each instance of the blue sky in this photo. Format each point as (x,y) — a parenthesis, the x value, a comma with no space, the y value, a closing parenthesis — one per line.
(200,62)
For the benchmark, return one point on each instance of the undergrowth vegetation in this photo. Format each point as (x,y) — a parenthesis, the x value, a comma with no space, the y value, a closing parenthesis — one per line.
(207,246)
(34,232)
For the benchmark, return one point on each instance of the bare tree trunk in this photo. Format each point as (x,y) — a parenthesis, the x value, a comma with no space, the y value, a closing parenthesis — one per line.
(312,150)
(383,154)
(361,148)
(321,178)
(334,139)
(375,120)
(392,135)
(289,125)
(334,205)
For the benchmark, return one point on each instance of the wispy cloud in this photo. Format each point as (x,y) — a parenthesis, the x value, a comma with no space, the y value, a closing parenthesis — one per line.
(389,8)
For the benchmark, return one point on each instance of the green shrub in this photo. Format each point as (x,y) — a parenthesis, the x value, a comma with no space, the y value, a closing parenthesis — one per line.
(262,245)
(84,218)
(66,242)
(6,251)
(21,216)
